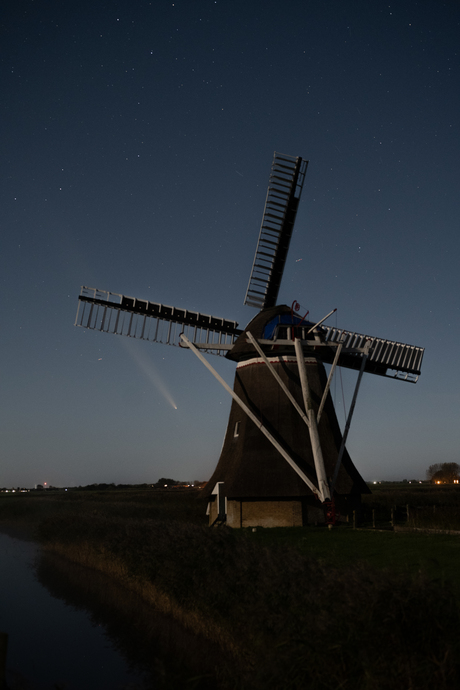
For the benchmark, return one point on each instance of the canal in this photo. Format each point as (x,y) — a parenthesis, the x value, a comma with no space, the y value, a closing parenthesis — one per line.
(71,628)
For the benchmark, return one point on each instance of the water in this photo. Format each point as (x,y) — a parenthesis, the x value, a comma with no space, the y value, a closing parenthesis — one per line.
(51,643)
(71,628)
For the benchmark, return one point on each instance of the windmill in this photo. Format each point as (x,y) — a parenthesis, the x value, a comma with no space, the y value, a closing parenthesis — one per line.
(284,460)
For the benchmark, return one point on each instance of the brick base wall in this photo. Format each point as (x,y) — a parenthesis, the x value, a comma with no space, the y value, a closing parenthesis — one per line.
(289,513)
(262,514)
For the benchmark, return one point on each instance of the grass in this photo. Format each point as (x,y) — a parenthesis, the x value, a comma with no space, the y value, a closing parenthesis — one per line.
(437,556)
(290,608)
(280,613)
(29,509)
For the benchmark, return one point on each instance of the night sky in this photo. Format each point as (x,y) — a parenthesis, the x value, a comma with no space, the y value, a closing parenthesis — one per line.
(137,140)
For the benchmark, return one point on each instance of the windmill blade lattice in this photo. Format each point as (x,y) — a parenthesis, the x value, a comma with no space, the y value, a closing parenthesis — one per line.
(111,312)
(283,196)
(387,357)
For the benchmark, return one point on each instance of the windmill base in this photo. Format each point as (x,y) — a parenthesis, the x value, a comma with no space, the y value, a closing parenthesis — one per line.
(276,513)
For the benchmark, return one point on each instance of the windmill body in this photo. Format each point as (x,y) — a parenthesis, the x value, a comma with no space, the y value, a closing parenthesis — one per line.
(260,488)
(284,461)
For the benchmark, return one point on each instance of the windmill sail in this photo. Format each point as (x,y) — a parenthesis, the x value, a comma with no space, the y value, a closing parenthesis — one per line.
(386,357)
(110,312)
(283,196)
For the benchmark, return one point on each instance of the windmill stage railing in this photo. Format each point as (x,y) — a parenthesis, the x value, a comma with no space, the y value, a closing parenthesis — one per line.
(110,312)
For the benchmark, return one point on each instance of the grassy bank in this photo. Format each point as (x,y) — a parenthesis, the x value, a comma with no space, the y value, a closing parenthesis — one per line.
(29,509)
(284,616)
(300,608)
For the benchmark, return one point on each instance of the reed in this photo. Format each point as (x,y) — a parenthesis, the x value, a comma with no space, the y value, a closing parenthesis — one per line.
(283,616)
(289,620)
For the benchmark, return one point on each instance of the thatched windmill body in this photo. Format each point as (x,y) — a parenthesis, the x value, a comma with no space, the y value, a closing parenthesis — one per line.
(284,460)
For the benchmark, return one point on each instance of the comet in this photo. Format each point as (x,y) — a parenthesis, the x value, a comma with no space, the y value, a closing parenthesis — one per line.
(150,371)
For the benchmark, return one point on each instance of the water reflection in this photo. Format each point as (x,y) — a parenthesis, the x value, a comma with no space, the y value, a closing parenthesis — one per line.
(51,644)
(70,627)
(141,635)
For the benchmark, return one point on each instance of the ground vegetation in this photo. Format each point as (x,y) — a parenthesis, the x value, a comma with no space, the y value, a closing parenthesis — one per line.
(292,608)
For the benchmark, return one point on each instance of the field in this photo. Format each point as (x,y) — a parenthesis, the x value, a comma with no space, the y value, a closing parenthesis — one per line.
(289,608)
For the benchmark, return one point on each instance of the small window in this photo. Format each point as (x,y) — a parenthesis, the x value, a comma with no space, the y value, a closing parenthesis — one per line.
(236,431)
(282,333)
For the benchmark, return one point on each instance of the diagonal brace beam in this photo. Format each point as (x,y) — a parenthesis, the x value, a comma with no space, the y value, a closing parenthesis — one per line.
(273,371)
(329,380)
(325,494)
(350,415)
(252,417)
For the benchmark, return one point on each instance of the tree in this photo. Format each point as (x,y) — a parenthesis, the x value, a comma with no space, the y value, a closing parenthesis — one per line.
(161,483)
(444,472)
